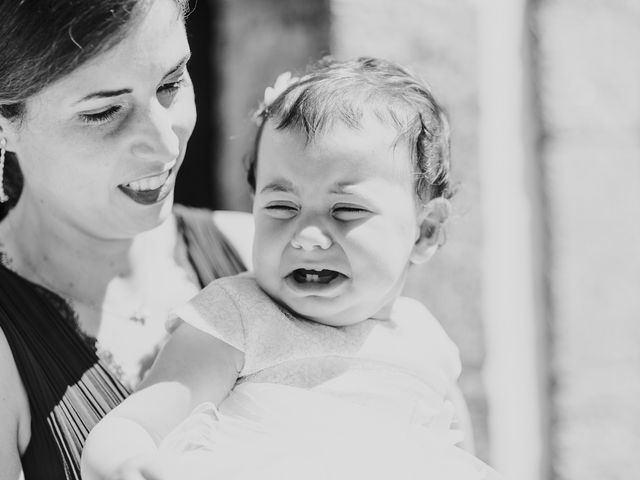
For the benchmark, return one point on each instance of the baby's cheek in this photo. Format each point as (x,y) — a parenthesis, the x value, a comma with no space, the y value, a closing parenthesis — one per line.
(380,269)
(267,257)
(264,273)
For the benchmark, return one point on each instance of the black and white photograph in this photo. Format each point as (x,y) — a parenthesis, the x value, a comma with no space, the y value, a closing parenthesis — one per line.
(319,240)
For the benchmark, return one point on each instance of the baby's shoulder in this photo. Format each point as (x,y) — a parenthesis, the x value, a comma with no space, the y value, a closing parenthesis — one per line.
(412,316)
(241,289)
(223,298)
(422,333)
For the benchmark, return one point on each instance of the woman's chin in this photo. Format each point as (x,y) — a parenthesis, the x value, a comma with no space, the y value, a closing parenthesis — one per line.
(159,212)
(137,219)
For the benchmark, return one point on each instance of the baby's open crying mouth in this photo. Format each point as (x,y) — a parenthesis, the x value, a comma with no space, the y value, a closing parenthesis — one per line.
(302,275)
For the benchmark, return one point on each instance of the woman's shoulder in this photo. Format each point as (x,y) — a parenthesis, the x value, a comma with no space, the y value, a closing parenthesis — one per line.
(238,228)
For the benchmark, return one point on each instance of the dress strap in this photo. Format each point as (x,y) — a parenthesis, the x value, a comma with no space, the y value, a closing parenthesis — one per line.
(210,253)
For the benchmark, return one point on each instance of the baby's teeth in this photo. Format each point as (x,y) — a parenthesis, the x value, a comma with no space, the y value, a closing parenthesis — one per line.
(311,277)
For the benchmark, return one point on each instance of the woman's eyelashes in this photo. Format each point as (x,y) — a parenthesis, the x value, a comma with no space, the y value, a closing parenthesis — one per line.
(104,116)
(165,92)
(168,90)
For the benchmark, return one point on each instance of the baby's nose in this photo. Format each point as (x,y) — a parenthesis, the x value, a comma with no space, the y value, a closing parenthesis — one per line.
(311,237)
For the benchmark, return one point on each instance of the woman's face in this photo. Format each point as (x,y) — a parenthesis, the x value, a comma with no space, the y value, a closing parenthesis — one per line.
(101,147)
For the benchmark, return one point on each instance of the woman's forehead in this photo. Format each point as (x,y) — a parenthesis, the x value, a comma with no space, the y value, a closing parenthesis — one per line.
(153,47)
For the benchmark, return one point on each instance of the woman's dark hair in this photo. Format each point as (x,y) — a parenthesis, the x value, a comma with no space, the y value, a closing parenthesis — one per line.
(41,41)
(333,91)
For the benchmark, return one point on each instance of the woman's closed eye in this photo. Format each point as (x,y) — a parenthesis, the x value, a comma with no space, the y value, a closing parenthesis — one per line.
(168,91)
(103,116)
(282,210)
(348,213)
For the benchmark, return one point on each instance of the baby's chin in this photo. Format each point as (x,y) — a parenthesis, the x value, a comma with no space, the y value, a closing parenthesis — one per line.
(343,318)
(330,311)
(334,322)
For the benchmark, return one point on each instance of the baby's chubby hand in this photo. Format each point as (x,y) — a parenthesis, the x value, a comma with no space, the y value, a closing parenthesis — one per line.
(162,466)
(146,467)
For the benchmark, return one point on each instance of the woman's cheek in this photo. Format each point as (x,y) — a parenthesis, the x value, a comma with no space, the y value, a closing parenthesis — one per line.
(186,121)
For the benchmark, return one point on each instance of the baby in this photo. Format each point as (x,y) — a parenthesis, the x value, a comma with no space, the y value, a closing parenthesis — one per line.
(313,366)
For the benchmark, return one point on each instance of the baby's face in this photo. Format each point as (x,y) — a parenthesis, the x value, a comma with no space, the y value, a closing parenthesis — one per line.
(336,221)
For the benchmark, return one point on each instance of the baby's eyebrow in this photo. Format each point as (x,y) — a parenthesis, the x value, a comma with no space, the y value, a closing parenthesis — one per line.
(279,185)
(344,188)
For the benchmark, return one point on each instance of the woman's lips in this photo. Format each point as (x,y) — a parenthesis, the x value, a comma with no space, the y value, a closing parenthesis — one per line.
(149,190)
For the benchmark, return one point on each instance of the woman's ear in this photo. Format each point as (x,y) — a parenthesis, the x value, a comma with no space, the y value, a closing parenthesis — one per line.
(431,221)
(7,131)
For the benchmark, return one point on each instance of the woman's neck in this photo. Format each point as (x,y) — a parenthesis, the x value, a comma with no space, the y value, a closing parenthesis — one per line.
(73,263)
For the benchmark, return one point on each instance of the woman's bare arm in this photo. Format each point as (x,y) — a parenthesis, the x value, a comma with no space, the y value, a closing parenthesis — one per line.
(14,415)
(192,368)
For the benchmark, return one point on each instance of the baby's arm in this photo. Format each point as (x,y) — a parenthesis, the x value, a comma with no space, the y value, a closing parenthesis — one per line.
(193,367)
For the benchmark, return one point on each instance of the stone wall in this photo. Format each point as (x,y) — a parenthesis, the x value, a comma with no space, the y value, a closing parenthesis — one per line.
(589,72)
(256,41)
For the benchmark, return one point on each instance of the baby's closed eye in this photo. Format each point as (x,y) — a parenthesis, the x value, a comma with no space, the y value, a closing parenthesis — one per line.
(347,213)
(282,209)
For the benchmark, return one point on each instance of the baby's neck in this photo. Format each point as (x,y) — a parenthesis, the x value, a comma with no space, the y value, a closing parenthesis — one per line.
(384,314)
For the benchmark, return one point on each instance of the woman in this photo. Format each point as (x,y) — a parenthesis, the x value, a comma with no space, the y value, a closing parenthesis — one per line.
(96,108)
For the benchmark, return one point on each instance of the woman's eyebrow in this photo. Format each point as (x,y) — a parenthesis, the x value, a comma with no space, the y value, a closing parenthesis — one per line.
(105,94)
(114,93)
(179,66)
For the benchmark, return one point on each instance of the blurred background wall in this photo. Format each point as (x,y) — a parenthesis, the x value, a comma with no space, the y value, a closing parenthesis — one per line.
(538,282)
(589,89)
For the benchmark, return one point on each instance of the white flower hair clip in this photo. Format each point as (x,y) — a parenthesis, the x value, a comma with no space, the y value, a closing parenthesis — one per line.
(284,81)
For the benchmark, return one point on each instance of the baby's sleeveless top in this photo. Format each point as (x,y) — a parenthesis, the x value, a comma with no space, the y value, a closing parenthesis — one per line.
(68,386)
(404,365)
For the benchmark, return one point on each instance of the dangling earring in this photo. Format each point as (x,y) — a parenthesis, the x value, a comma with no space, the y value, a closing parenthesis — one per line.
(3,195)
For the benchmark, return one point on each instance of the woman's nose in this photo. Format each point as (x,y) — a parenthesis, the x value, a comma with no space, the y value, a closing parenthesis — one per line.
(311,237)
(155,135)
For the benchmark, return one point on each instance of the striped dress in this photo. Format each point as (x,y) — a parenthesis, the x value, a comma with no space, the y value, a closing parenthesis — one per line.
(69,387)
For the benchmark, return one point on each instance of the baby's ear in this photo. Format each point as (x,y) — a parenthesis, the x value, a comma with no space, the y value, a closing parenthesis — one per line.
(432,219)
